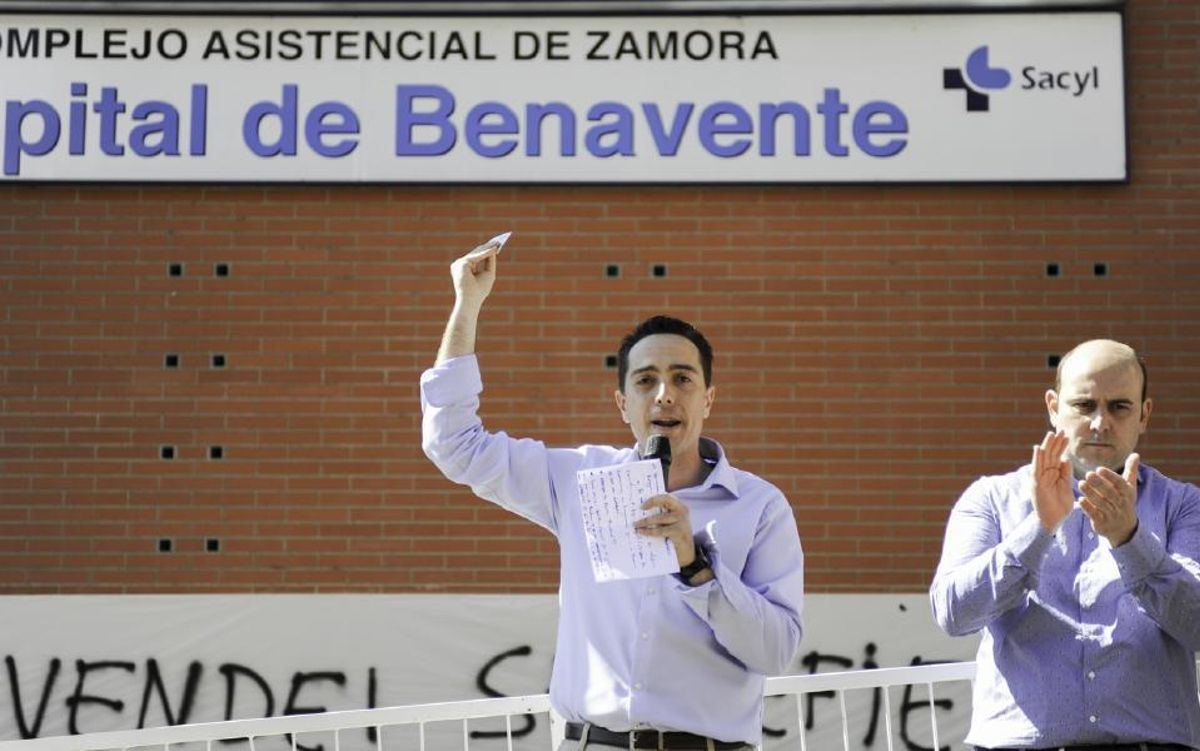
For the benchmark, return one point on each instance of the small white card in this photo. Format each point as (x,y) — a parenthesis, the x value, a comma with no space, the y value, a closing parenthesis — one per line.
(500,240)
(611,500)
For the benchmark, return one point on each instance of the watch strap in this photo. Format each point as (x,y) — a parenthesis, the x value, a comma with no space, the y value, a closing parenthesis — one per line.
(698,564)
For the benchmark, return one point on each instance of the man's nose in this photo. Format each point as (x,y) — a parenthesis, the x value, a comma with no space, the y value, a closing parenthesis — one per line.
(1098,423)
(664,395)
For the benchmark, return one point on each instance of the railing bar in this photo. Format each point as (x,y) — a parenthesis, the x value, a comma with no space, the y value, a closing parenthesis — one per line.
(337,739)
(887,716)
(845,724)
(379,738)
(508,730)
(421,726)
(801,686)
(800,714)
(933,716)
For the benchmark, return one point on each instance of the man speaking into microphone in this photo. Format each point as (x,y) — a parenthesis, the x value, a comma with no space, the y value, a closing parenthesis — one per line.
(672,661)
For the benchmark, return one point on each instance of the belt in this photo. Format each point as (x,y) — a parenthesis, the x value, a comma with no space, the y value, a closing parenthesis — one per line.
(656,739)
(1115,746)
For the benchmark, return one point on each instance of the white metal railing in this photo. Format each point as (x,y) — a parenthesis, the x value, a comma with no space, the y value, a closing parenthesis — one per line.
(354,719)
(422,715)
(885,678)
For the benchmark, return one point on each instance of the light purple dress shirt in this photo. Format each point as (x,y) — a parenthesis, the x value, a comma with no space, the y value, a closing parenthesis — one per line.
(1082,643)
(642,653)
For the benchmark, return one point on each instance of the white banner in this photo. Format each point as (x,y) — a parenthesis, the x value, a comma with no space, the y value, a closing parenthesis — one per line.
(95,663)
(658,99)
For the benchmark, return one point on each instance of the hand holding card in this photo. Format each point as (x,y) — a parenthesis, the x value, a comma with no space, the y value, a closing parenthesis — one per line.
(491,247)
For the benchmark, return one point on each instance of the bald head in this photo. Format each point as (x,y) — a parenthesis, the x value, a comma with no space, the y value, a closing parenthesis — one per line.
(1095,403)
(1096,356)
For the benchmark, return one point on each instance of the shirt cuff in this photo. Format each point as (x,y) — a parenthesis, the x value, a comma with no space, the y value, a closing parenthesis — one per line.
(1028,543)
(1139,556)
(448,382)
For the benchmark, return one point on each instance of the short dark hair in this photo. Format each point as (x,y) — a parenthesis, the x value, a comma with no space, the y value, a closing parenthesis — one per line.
(1141,363)
(664,325)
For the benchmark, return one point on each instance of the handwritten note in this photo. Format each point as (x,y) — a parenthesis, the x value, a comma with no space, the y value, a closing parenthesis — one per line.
(611,500)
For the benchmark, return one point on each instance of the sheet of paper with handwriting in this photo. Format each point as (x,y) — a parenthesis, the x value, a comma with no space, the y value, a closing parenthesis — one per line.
(611,500)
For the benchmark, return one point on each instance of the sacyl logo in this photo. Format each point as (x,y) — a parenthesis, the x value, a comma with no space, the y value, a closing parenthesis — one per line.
(979,77)
(1074,81)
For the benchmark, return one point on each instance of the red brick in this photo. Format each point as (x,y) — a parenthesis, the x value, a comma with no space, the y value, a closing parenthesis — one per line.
(878,347)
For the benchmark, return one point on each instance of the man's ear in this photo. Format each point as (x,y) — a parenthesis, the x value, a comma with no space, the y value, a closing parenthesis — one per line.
(1146,407)
(709,396)
(1052,406)
(619,398)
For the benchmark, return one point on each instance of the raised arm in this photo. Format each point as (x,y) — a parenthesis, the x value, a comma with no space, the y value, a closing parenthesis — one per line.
(511,472)
(1161,571)
(473,276)
(987,570)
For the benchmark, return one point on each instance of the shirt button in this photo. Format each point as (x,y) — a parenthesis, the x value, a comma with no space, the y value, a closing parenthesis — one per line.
(650,591)
(1092,677)
(645,635)
(1092,718)
(1091,535)
(638,687)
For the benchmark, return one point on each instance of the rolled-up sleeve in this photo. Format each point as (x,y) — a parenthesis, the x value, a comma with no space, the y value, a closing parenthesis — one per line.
(1164,575)
(983,571)
(510,472)
(757,616)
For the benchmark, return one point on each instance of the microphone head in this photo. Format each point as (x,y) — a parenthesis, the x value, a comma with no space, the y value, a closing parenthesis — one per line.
(659,447)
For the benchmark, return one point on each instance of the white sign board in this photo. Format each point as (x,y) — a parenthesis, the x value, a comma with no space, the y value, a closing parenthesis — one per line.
(609,99)
(96,663)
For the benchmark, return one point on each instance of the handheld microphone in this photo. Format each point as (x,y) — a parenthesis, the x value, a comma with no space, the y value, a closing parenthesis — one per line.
(659,447)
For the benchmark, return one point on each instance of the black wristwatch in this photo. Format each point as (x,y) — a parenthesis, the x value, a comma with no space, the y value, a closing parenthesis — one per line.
(698,564)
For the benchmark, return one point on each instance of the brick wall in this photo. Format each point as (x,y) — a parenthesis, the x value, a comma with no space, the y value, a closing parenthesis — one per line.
(877,349)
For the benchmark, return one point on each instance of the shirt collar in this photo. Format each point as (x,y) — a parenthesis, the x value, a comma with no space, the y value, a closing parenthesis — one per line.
(722,473)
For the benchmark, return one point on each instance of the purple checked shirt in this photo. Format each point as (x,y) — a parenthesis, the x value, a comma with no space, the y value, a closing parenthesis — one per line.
(643,653)
(1082,643)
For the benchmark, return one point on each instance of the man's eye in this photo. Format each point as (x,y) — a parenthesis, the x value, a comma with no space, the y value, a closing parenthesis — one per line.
(1084,407)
